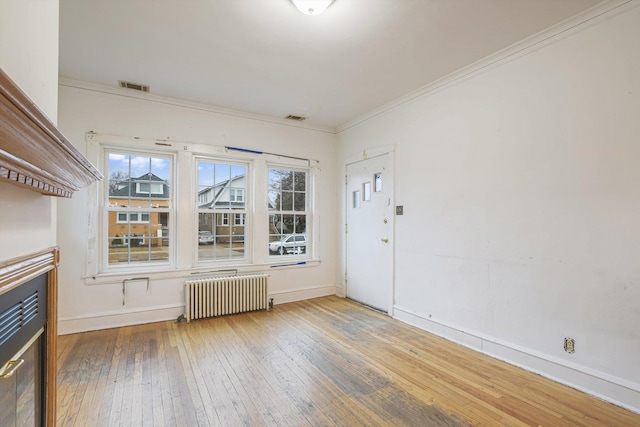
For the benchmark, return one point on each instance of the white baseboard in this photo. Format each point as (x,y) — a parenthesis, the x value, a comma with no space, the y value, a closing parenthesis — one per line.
(302,294)
(117,319)
(599,384)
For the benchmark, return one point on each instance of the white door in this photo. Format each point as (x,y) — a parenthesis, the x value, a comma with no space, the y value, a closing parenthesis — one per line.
(369,264)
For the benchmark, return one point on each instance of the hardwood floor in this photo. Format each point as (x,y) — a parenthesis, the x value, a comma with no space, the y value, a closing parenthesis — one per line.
(321,362)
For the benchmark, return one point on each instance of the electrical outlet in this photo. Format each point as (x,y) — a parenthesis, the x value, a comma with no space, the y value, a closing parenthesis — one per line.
(569,345)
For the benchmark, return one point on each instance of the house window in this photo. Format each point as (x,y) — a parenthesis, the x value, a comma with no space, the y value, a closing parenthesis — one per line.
(138,217)
(221,210)
(288,211)
(149,187)
(137,181)
(223,219)
(236,195)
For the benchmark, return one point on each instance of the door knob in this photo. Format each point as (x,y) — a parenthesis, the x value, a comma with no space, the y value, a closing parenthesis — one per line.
(385,240)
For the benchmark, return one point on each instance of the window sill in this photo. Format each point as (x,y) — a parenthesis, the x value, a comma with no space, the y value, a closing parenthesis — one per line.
(110,278)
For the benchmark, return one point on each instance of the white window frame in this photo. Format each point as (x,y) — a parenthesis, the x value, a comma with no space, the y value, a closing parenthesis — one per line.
(226,215)
(308,212)
(98,250)
(183,216)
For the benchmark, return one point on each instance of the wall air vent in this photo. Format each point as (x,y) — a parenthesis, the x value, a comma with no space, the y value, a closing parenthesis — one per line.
(297,118)
(134,86)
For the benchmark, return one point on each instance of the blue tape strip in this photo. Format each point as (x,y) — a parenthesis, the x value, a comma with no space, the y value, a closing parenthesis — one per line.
(290,264)
(245,150)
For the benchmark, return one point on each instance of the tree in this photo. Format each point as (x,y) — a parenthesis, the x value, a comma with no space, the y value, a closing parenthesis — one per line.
(115,179)
(287,193)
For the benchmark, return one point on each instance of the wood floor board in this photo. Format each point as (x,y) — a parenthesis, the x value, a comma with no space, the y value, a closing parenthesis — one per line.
(321,362)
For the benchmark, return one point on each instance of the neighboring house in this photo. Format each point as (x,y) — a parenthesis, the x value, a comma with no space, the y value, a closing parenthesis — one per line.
(229,196)
(146,190)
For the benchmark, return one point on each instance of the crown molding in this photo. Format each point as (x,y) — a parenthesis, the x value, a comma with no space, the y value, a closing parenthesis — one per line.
(544,38)
(127,93)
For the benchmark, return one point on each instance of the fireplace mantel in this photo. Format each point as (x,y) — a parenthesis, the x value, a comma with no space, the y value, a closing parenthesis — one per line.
(33,152)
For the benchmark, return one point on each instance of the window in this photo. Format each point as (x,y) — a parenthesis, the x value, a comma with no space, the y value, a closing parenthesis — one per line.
(143,224)
(288,212)
(236,195)
(137,181)
(221,197)
(124,217)
(149,187)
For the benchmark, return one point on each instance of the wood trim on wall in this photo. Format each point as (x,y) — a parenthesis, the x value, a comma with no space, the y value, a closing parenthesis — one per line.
(17,271)
(33,152)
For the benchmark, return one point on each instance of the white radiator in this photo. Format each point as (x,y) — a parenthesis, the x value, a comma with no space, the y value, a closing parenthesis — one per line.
(225,295)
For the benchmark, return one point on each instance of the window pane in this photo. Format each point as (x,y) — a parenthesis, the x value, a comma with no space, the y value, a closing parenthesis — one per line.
(217,239)
(299,202)
(134,235)
(119,169)
(281,186)
(287,234)
(287,200)
(136,180)
(286,180)
(220,186)
(300,181)
(287,193)
(137,242)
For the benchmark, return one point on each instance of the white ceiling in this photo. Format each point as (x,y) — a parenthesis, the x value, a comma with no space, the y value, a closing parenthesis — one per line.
(265,57)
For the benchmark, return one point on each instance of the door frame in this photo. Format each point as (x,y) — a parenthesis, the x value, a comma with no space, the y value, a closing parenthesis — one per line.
(365,155)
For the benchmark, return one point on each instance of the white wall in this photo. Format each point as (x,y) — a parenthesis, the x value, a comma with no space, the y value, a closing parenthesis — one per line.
(521,193)
(86,108)
(29,55)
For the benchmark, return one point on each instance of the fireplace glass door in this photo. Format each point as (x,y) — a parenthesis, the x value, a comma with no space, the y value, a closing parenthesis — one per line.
(21,385)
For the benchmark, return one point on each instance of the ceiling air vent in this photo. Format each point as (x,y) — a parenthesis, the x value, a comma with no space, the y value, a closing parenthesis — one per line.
(134,86)
(297,118)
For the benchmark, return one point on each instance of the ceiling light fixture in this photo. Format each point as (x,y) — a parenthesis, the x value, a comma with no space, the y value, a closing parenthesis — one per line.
(312,7)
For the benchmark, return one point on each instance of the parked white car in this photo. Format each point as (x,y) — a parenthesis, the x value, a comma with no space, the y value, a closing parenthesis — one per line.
(205,238)
(289,244)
